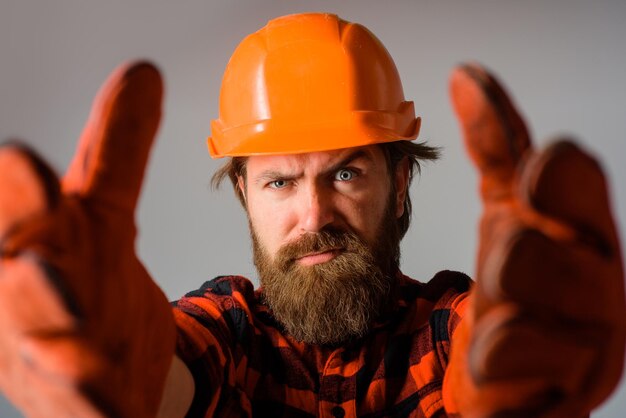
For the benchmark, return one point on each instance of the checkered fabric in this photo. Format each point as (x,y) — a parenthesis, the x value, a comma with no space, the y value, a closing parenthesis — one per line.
(245,365)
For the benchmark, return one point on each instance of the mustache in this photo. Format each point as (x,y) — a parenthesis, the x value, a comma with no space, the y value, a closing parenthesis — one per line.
(318,242)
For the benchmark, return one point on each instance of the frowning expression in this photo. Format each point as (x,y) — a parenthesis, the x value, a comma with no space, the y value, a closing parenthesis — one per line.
(288,196)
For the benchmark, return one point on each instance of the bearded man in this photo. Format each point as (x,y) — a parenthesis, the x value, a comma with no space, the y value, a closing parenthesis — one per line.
(319,136)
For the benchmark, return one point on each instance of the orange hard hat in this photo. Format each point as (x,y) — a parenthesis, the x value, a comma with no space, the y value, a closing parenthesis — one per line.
(310,82)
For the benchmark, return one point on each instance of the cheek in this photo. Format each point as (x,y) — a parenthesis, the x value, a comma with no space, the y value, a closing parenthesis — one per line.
(270,223)
(364,214)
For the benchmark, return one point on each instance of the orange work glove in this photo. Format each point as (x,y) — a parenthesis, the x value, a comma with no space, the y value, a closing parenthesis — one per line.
(545,329)
(84,331)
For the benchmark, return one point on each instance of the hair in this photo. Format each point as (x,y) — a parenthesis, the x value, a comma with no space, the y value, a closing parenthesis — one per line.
(395,152)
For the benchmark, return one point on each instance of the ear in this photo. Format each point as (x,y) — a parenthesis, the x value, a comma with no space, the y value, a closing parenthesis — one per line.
(401,179)
(241,183)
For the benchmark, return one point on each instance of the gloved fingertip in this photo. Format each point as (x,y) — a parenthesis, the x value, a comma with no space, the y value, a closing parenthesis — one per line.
(28,185)
(495,135)
(46,173)
(142,66)
(115,144)
(142,75)
(463,93)
(141,79)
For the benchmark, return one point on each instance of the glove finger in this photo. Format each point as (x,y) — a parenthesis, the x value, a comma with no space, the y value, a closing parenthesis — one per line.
(574,296)
(113,150)
(511,346)
(543,275)
(67,360)
(567,185)
(44,310)
(495,136)
(27,186)
(45,365)
(39,396)
(484,380)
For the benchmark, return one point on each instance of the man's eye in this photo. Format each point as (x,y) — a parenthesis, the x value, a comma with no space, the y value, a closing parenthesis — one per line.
(277,184)
(345,174)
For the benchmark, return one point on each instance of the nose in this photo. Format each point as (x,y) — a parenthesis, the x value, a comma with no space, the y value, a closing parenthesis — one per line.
(317,209)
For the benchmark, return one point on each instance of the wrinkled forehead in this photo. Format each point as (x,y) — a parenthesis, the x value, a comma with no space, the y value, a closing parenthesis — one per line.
(314,162)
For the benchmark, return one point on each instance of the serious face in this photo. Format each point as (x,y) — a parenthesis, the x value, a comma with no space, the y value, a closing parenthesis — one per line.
(325,239)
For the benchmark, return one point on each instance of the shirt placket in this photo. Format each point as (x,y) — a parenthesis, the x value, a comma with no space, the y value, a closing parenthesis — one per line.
(337,393)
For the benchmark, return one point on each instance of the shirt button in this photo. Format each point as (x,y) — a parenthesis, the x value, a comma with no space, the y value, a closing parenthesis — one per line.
(338,412)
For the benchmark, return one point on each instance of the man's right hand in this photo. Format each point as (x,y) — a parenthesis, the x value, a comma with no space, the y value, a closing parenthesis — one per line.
(84,331)
(545,330)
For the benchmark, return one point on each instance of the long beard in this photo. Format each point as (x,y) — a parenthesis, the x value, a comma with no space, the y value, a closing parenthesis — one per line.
(336,301)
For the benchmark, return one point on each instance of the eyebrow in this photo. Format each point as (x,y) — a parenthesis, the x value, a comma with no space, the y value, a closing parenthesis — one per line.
(270,175)
(358,154)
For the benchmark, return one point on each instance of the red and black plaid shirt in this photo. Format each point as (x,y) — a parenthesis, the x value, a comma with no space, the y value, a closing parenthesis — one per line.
(244,365)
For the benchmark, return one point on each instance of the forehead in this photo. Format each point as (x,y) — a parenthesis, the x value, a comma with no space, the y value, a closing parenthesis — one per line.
(316,161)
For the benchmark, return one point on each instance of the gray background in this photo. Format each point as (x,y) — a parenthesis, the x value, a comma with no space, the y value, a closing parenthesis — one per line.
(563,61)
